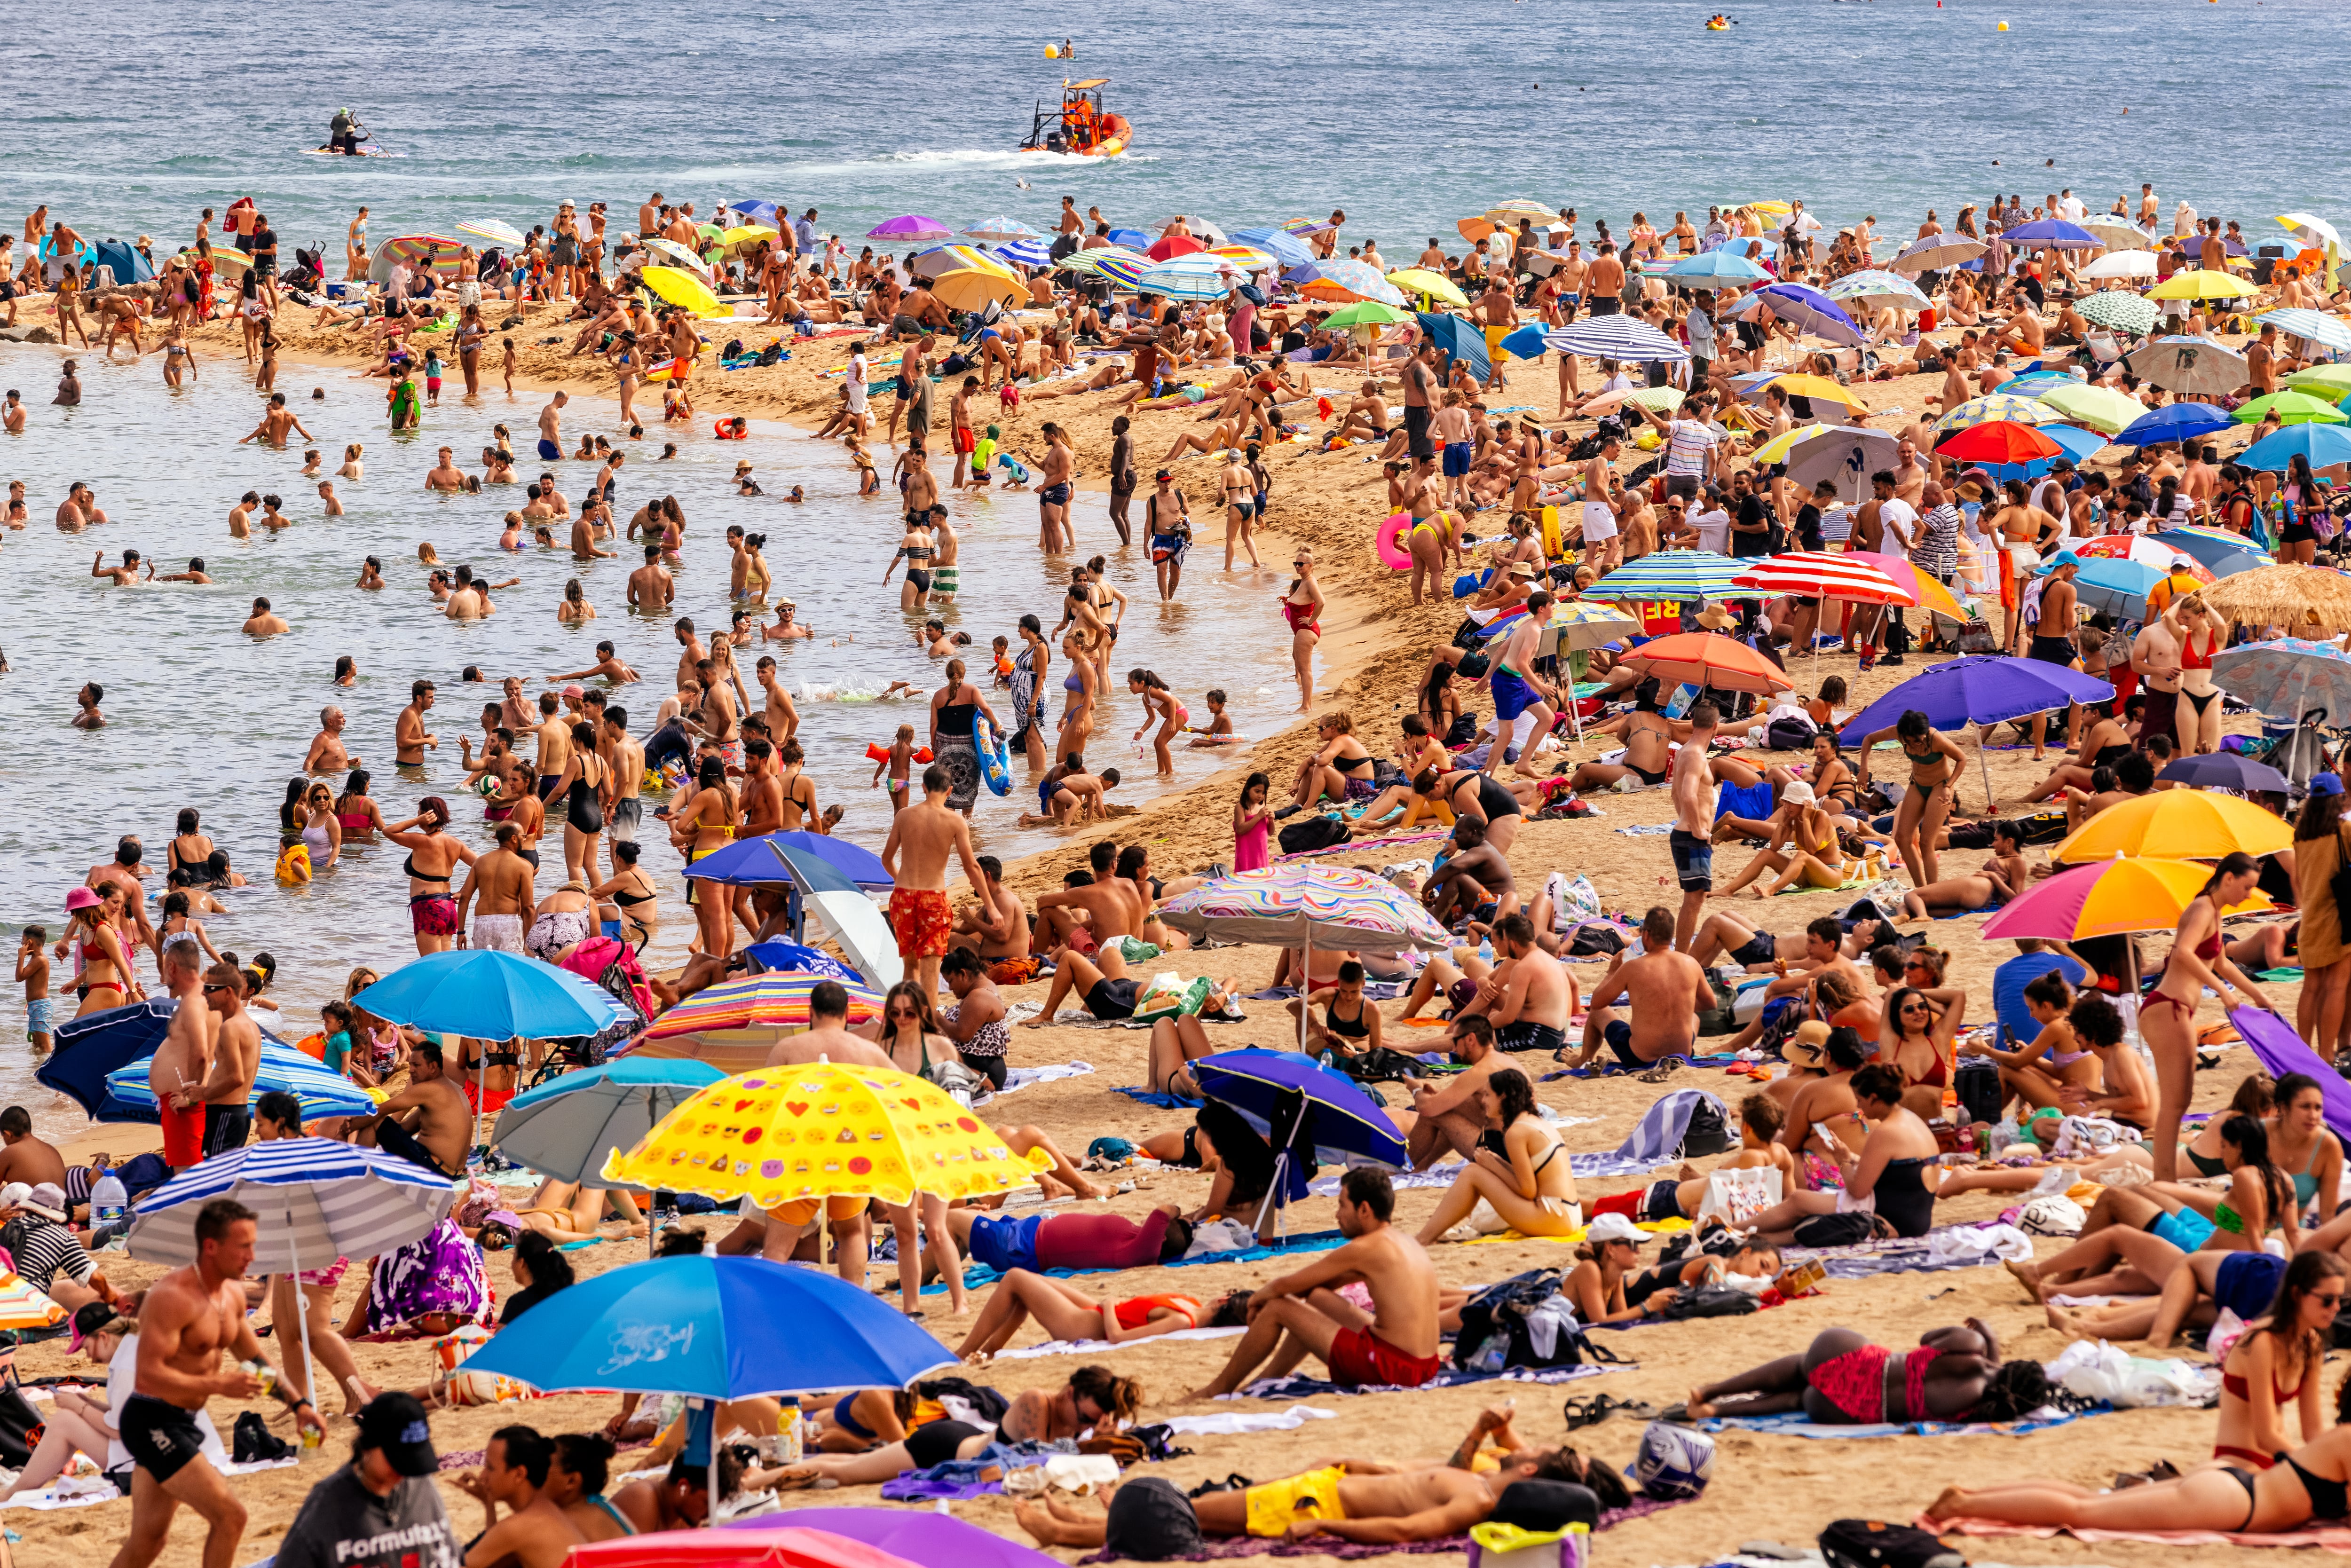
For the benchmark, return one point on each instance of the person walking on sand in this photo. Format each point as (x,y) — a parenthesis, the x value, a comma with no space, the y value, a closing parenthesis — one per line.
(915,854)
(1692,839)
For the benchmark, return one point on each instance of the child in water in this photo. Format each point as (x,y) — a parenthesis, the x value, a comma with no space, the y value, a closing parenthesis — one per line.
(899,758)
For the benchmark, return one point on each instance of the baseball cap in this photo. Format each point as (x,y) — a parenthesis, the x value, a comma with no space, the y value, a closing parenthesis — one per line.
(2062,559)
(81,898)
(1614,1228)
(94,1317)
(1151,1521)
(396,1425)
(2327,784)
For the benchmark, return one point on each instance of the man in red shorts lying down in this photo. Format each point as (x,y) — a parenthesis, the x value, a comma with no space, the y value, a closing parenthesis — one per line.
(1301,1312)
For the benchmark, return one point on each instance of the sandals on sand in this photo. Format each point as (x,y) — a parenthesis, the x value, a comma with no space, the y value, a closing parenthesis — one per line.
(1581,1412)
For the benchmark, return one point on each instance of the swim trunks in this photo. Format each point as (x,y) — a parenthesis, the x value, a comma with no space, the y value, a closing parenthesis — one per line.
(1273,1506)
(1415,429)
(1760,949)
(1599,522)
(1618,1037)
(183,1135)
(161,1437)
(324,1279)
(226,1127)
(920,918)
(1112,1000)
(432,914)
(799,1211)
(498,932)
(627,812)
(1512,696)
(486,1101)
(1055,495)
(1529,1036)
(964,440)
(1456,459)
(40,1013)
(1693,859)
(549,452)
(1361,1358)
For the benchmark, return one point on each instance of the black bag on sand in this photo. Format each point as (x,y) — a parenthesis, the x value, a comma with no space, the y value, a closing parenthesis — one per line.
(1314,834)
(1836,1230)
(1709,1301)
(1977,1085)
(1874,1544)
(1707,1134)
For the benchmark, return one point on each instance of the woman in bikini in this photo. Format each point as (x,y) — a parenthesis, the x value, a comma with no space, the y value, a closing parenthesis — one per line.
(1302,607)
(2278,1363)
(1915,1036)
(1522,1170)
(2168,1021)
(800,789)
(1067,1313)
(1935,763)
(2004,876)
(1804,851)
(1077,721)
(2200,634)
(704,825)
(433,857)
(1341,769)
(1159,705)
(1832,780)
(633,895)
(915,548)
(2105,742)
(101,966)
(1954,1374)
(355,810)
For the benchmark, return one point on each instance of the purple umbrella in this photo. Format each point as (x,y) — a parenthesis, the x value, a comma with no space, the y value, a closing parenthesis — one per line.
(909,226)
(2051,234)
(927,1539)
(2282,1051)
(1809,310)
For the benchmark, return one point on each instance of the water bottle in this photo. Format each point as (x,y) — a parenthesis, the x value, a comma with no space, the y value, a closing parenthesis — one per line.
(108,1200)
(1486,948)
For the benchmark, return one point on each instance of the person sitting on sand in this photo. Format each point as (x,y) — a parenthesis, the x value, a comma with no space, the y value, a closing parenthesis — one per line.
(2006,874)
(1679,1197)
(1889,1176)
(1520,1168)
(1663,992)
(1841,1379)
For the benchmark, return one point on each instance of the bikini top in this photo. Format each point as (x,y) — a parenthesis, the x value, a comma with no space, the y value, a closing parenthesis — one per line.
(2231,1383)
(409,865)
(2189,659)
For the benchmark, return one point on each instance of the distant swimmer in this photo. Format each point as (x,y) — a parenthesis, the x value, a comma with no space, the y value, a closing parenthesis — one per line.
(86,701)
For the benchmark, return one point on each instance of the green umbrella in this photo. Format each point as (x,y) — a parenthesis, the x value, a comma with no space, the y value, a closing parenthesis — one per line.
(2291,408)
(1366,313)
(2322,380)
(2123,312)
(2103,409)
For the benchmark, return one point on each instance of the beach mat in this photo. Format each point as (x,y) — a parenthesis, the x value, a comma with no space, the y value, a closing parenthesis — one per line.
(1794,1426)
(977,1274)
(1297,1385)
(1331,1546)
(2332,1537)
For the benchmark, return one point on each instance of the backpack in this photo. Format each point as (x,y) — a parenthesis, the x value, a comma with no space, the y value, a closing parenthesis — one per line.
(1524,1321)
(1874,1544)
(1314,834)
(1790,733)
(771,355)
(1707,1134)
(20,1424)
(1709,1301)
(1837,1230)
(733,350)
(1977,1085)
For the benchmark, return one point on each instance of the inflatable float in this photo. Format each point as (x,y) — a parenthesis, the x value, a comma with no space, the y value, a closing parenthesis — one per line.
(995,760)
(1392,551)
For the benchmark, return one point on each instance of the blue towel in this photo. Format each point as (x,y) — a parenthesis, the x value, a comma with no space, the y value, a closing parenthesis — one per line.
(1164,1101)
(1795,1425)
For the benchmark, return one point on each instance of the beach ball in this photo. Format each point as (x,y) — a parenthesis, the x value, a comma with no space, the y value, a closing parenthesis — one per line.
(1674,1462)
(1053,53)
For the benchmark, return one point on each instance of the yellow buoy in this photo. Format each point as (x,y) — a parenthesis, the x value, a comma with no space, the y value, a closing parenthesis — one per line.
(1053,53)
(2003,27)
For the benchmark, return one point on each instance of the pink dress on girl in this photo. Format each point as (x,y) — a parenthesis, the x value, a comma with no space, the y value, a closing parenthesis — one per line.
(1249,852)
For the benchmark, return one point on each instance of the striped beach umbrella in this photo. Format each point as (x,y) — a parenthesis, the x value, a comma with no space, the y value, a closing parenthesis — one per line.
(1340,279)
(1622,338)
(2149,549)
(1821,574)
(1282,243)
(24,1307)
(1197,275)
(1001,229)
(1092,260)
(1122,275)
(323,1093)
(1023,252)
(775,1002)
(2316,326)
(1999,405)
(2123,312)
(1673,577)
(1303,902)
(318,1200)
(494,231)
(1248,258)
(1874,289)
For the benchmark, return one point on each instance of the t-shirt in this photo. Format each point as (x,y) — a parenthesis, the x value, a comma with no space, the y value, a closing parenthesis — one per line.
(1713,526)
(122,1382)
(47,1250)
(343,1524)
(1807,526)
(1901,523)
(1688,442)
(1099,1241)
(1753,537)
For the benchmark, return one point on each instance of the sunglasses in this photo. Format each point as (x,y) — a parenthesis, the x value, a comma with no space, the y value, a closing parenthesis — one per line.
(1915,1007)
(210,989)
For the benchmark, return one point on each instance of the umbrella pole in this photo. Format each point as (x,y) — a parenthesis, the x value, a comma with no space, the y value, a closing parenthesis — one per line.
(1984,760)
(653,1210)
(309,1388)
(1306,974)
(710,1518)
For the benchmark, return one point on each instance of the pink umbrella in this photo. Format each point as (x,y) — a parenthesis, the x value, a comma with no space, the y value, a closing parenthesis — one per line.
(2108,898)
(909,226)
(1924,592)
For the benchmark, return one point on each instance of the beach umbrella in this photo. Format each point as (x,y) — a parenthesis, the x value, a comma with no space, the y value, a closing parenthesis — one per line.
(1926,592)
(2051,234)
(1130,239)
(1577,625)
(1776,450)
(1997,441)
(778,954)
(2330,380)
(2122,312)
(975,288)
(2197,283)
(323,1093)
(1626,339)
(318,1200)
(2288,678)
(2286,595)
(1428,286)
(2322,446)
(758,212)
(926,1539)
(2224,770)
(1295,1102)
(2116,235)
(1715,269)
(1023,252)
(2100,408)
(1092,260)
(1817,574)
(567,1126)
(2315,234)
(2174,422)
(684,256)
(2080,445)
(489,995)
(1997,406)
(1982,689)
(2149,549)
(2033,383)
(1816,387)
(1934,253)
(1703,658)
(909,227)
(1807,310)
(1122,274)
(1343,280)
(778,1545)
(1167,248)
(1658,400)
(1463,341)
(437,252)
(1245,257)
(1000,229)
(87,1049)
(782,1135)
(1366,313)
(1285,247)
(1875,288)
(1673,577)
(733,1024)
(2187,824)
(2313,326)
(1518,207)
(2120,264)
(2292,408)
(1189,277)
(2217,550)
(24,1307)
(494,231)
(2117,587)
(680,287)
(770,858)
(942,259)
(2110,898)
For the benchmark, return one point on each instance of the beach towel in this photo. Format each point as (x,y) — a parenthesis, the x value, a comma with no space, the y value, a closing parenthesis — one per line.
(1355,846)
(1657,1141)
(1647,831)
(1613,1069)
(1021,1078)
(81,1491)
(1298,1385)
(1373,991)
(2333,1537)
(977,1274)
(2282,1051)
(1794,1426)
(1234,1423)
(1331,1546)
(1163,1101)
(1104,1347)
(1945,1247)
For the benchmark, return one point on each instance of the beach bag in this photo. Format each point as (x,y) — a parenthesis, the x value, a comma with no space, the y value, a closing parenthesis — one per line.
(1314,834)
(951,1077)
(1977,1085)
(1977,637)
(1874,1544)
(1836,1230)
(1790,734)
(20,1424)
(1736,1196)
(1523,1320)
(1493,1545)
(1171,996)
(1709,1301)
(2042,827)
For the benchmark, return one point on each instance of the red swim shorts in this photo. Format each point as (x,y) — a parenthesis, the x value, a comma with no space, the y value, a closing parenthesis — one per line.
(1361,1358)
(183,1136)
(921,918)
(963,439)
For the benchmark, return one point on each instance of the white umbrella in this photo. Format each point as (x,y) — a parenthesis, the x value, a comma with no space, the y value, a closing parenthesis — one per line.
(2194,367)
(2317,234)
(1934,253)
(2116,234)
(1848,454)
(680,255)
(2121,263)
(1206,233)
(1876,288)
(492,230)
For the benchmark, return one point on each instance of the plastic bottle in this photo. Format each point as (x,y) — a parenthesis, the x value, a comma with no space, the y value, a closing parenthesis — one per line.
(108,1200)
(1486,949)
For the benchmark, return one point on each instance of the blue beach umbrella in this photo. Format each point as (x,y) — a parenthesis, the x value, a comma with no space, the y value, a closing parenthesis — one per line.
(1462,341)
(714,1328)
(1673,577)
(2117,587)
(1276,242)
(2323,445)
(1808,311)
(1527,342)
(489,995)
(753,862)
(1295,1100)
(566,1127)
(2224,770)
(1133,239)
(90,1049)
(758,213)
(1715,269)
(1025,253)
(323,1093)
(2174,422)
(2219,552)
(2051,234)
(791,956)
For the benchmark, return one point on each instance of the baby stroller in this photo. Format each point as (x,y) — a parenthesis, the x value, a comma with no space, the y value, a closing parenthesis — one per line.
(308,271)
(612,967)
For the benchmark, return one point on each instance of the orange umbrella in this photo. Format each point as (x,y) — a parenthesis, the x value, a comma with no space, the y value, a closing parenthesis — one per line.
(1710,661)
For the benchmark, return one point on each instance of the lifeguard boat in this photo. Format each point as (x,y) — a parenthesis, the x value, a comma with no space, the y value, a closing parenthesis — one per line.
(1080,128)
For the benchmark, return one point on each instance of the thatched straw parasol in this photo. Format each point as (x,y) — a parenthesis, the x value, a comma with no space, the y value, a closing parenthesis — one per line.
(2300,599)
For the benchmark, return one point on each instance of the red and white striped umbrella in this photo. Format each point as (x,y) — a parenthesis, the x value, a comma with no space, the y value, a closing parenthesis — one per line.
(1821,574)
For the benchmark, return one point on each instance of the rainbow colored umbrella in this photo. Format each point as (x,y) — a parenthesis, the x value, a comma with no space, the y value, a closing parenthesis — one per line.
(1343,280)
(1999,440)
(24,1307)
(2110,898)
(1248,258)
(1092,260)
(1300,902)
(732,1025)
(2149,549)
(1122,275)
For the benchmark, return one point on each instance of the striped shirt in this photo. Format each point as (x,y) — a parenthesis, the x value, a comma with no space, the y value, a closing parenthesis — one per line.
(1938,550)
(49,1250)
(1690,441)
